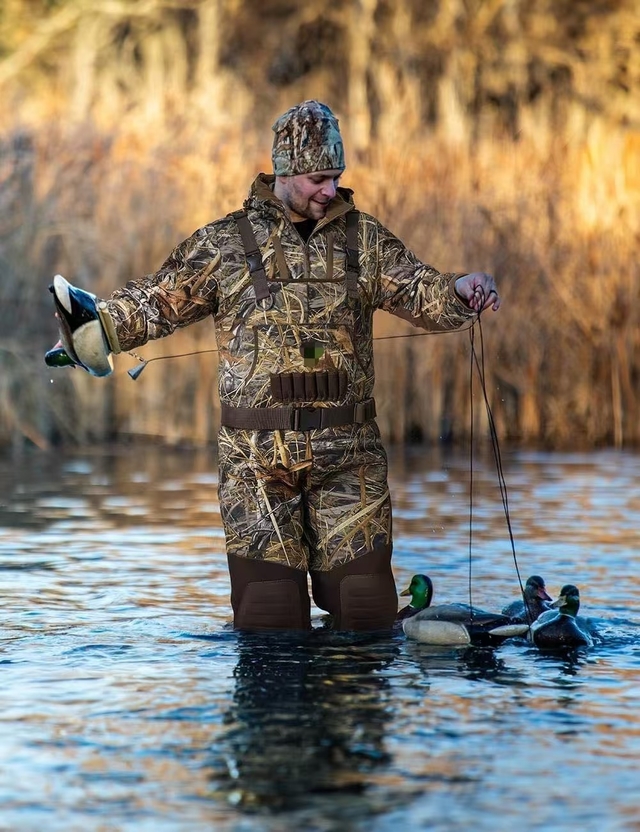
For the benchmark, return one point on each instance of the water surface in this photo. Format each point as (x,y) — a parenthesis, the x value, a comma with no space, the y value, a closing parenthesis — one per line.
(128,703)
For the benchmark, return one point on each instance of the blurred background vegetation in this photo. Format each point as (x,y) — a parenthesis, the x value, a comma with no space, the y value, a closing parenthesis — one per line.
(501,135)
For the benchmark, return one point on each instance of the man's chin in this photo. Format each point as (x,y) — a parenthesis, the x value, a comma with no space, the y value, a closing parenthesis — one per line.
(318,211)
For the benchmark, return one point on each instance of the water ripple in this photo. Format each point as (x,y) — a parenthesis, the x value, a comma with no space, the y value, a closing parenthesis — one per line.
(129,702)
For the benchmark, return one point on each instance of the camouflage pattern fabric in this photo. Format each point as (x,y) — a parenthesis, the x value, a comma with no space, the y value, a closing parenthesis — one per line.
(207,275)
(307,139)
(312,500)
(318,498)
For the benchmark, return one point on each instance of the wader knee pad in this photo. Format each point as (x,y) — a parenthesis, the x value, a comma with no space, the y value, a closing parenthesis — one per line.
(268,596)
(360,595)
(367,602)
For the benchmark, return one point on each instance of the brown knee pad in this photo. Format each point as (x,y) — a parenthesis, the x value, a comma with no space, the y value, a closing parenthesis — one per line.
(268,596)
(360,595)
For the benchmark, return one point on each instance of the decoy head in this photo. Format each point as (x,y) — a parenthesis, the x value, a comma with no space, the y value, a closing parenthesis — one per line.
(535,588)
(569,600)
(421,591)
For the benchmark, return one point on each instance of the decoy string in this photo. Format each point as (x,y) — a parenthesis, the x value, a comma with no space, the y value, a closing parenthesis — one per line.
(135,372)
(471,443)
(478,362)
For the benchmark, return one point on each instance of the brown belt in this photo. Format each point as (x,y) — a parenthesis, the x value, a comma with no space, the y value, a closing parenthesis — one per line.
(296,418)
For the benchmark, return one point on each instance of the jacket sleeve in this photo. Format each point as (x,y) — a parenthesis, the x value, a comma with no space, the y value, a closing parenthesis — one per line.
(414,291)
(182,292)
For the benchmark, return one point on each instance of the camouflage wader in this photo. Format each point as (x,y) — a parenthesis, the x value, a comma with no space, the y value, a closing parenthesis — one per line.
(303,475)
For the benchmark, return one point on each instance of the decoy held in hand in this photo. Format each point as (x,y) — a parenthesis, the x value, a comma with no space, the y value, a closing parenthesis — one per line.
(87,336)
(452,624)
(536,601)
(559,628)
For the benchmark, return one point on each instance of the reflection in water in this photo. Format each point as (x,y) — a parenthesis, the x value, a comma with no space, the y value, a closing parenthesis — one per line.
(308,717)
(482,663)
(568,662)
(473,663)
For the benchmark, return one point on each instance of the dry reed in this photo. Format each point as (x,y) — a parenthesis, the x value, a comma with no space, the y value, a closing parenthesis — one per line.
(147,153)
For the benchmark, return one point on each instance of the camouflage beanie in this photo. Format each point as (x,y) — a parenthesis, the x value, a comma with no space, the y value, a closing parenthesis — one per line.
(307,139)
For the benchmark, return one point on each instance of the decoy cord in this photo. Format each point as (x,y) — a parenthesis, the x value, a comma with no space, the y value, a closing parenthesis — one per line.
(477,361)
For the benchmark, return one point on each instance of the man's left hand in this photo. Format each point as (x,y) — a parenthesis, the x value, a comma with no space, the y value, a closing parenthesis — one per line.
(478,290)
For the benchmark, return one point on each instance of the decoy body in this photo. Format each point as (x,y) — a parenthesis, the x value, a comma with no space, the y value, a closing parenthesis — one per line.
(84,339)
(452,624)
(559,628)
(536,600)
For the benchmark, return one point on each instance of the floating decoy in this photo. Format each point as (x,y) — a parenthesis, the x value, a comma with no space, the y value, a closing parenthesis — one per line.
(421,591)
(559,628)
(452,624)
(536,601)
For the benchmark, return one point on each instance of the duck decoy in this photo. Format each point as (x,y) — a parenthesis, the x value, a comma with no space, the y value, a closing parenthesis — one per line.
(87,336)
(535,601)
(559,628)
(452,624)
(421,591)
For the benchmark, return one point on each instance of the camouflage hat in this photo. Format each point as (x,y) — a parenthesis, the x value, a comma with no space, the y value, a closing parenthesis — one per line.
(307,138)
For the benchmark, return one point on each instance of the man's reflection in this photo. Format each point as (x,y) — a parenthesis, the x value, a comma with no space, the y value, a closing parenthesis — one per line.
(309,715)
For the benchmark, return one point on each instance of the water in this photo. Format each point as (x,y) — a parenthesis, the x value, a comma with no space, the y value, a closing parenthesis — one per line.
(128,703)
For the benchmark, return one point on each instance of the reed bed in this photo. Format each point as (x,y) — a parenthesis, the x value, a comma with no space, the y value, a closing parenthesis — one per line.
(561,355)
(101,192)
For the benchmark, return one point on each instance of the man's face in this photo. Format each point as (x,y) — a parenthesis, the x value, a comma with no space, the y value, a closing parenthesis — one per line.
(307,195)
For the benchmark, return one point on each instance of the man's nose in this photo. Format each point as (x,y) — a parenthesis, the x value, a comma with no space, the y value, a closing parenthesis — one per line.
(329,189)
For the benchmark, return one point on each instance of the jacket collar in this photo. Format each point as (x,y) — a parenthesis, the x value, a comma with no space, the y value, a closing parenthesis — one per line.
(262,199)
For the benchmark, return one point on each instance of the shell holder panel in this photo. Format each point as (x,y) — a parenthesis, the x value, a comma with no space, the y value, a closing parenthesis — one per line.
(320,386)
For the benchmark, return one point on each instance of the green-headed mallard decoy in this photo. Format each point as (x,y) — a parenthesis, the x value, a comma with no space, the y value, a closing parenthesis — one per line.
(421,591)
(452,624)
(86,330)
(536,600)
(559,628)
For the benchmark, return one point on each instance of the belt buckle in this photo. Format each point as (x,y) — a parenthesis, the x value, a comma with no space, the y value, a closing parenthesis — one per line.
(306,418)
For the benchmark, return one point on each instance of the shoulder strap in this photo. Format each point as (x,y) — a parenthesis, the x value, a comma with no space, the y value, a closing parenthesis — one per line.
(252,255)
(353,259)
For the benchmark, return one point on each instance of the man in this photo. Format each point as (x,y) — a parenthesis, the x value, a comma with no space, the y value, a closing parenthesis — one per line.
(292,283)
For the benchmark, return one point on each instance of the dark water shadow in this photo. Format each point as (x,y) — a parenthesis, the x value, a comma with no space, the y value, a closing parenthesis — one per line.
(308,720)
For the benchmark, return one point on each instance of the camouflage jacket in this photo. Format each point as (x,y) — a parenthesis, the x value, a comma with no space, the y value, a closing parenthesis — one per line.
(310,324)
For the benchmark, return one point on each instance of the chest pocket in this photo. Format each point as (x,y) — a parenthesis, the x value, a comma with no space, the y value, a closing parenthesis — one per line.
(253,257)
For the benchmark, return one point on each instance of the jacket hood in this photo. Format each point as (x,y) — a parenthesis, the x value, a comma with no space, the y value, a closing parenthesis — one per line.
(261,198)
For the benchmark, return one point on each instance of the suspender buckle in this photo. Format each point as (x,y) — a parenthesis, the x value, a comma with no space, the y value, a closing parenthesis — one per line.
(254,261)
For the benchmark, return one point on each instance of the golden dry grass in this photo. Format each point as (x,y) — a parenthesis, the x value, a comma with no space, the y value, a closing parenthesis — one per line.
(100,178)
(561,354)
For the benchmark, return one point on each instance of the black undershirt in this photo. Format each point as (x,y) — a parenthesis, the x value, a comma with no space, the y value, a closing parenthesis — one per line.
(304,228)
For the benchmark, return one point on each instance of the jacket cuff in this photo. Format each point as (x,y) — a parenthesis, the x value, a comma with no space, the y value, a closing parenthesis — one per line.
(452,290)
